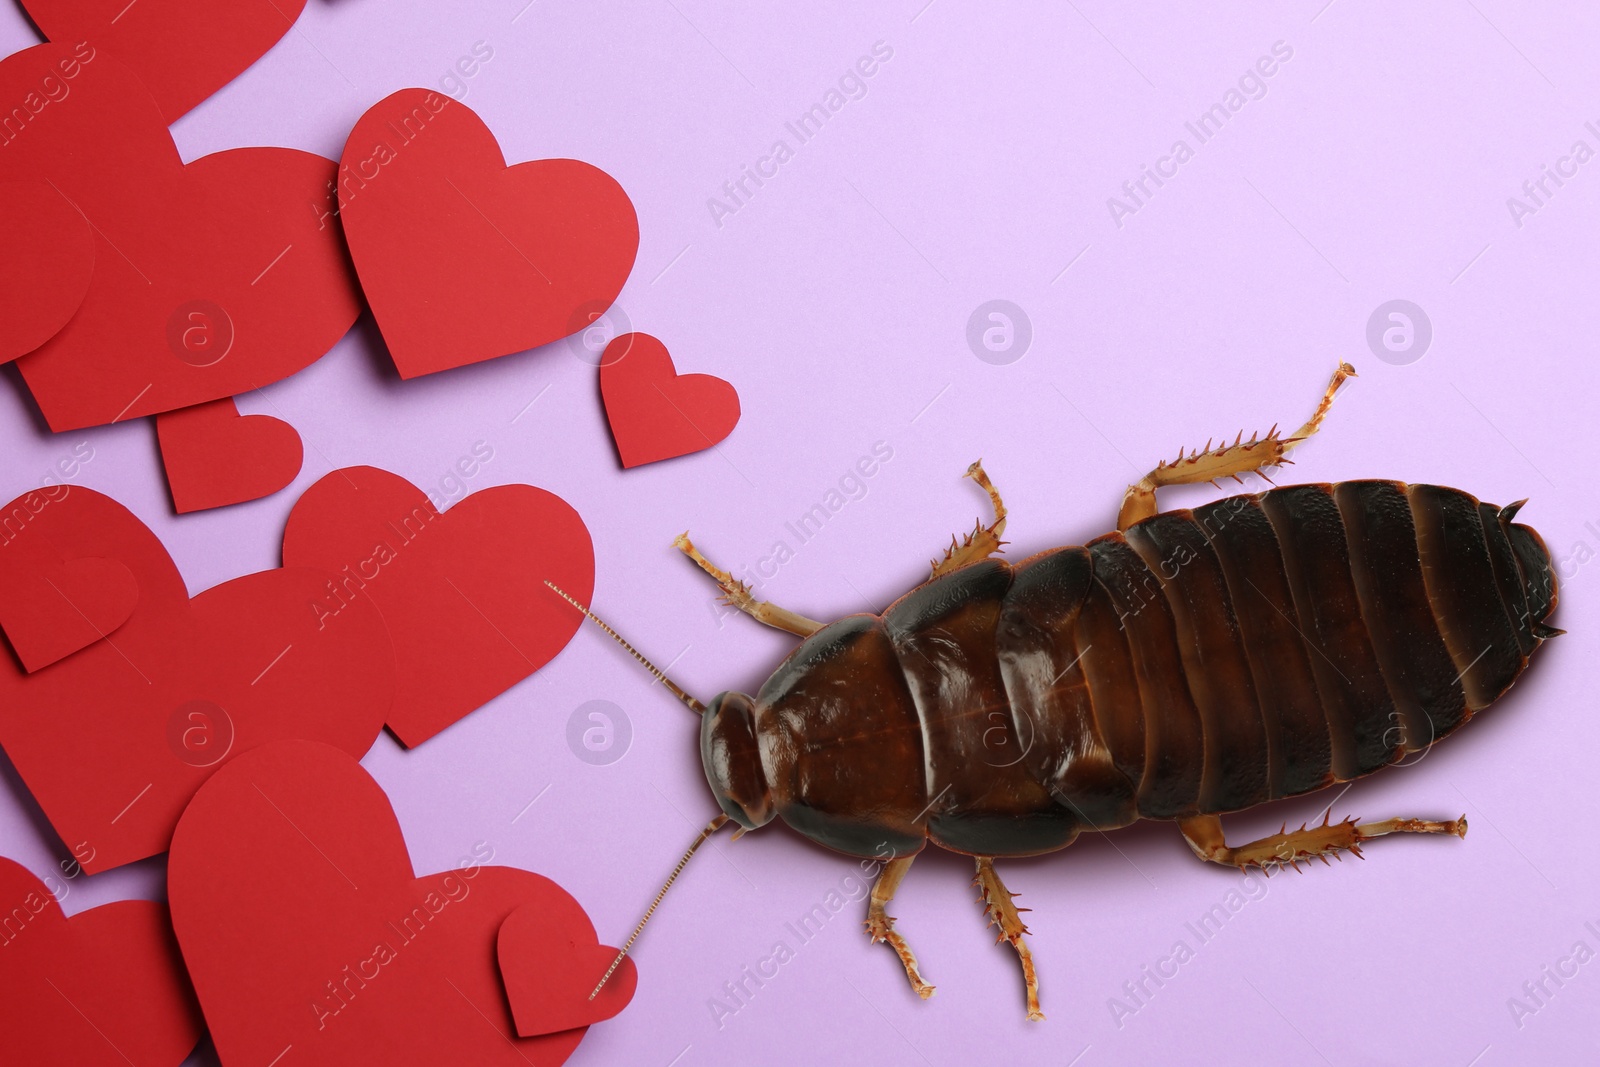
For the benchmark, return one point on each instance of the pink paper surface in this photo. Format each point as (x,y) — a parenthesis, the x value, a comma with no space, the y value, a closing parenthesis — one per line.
(846,294)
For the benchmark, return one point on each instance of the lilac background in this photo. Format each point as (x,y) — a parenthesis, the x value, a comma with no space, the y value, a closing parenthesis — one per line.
(978,165)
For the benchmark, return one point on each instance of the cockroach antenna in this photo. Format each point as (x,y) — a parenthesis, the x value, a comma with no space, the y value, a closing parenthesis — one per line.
(677,691)
(711,827)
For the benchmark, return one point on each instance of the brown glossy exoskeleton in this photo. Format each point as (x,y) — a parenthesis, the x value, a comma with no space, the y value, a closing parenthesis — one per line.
(1189,664)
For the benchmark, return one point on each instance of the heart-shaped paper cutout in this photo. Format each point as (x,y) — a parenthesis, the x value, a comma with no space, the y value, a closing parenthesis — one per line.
(464,259)
(215,457)
(304,926)
(183,50)
(49,610)
(104,988)
(551,963)
(210,279)
(656,413)
(46,261)
(114,740)
(462,591)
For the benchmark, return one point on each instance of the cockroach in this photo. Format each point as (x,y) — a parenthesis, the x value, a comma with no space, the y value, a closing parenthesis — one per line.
(1189,664)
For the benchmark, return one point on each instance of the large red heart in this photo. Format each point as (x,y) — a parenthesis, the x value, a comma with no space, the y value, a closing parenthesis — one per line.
(307,932)
(105,988)
(114,740)
(463,259)
(46,261)
(215,457)
(50,609)
(209,279)
(550,963)
(462,591)
(184,50)
(656,413)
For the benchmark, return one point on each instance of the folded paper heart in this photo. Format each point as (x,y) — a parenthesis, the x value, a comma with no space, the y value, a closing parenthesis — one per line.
(209,279)
(551,963)
(184,50)
(114,739)
(462,591)
(104,988)
(50,609)
(656,413)
(46,261)
(305,928)
(464,259)
(214,456)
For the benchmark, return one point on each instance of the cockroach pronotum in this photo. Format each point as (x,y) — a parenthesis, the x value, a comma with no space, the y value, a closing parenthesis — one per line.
(1189,664)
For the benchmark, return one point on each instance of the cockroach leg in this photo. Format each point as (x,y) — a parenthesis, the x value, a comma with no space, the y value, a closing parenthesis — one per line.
(737,595)
(1003,912)
(1226,461)
(1289,847)
(983,541)
(880,924)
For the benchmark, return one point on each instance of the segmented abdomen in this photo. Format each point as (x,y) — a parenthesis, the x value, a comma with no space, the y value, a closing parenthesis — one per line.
(1204,661)
(1268,645)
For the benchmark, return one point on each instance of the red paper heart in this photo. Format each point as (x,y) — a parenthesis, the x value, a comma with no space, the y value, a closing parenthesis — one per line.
(209,279)
(462,592)
(115,739)
(551,963)
(305,928)
(105,988)
(52,609)
(46,260)
(184,50)
(463,259)
(656,413)
(215,457)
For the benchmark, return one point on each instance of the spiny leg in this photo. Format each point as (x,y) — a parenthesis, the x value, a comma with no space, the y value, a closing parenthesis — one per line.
(737,594)
(1289,847)
(983,541)
(1228,461)
(1002,912)
(880,924)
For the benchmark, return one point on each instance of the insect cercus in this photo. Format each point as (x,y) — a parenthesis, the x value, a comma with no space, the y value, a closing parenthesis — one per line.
(1188,664)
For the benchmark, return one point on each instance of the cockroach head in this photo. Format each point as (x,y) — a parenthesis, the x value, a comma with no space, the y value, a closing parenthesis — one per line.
(731,756)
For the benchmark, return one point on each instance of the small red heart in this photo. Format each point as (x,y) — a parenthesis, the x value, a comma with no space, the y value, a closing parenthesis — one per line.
(46,261)
(184,50)
(304,925)
(114,740)
(464,259)
(215,457)
(461,591)
(53,611)
(104,988)
(656,413)
(210,279)
(550,964)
